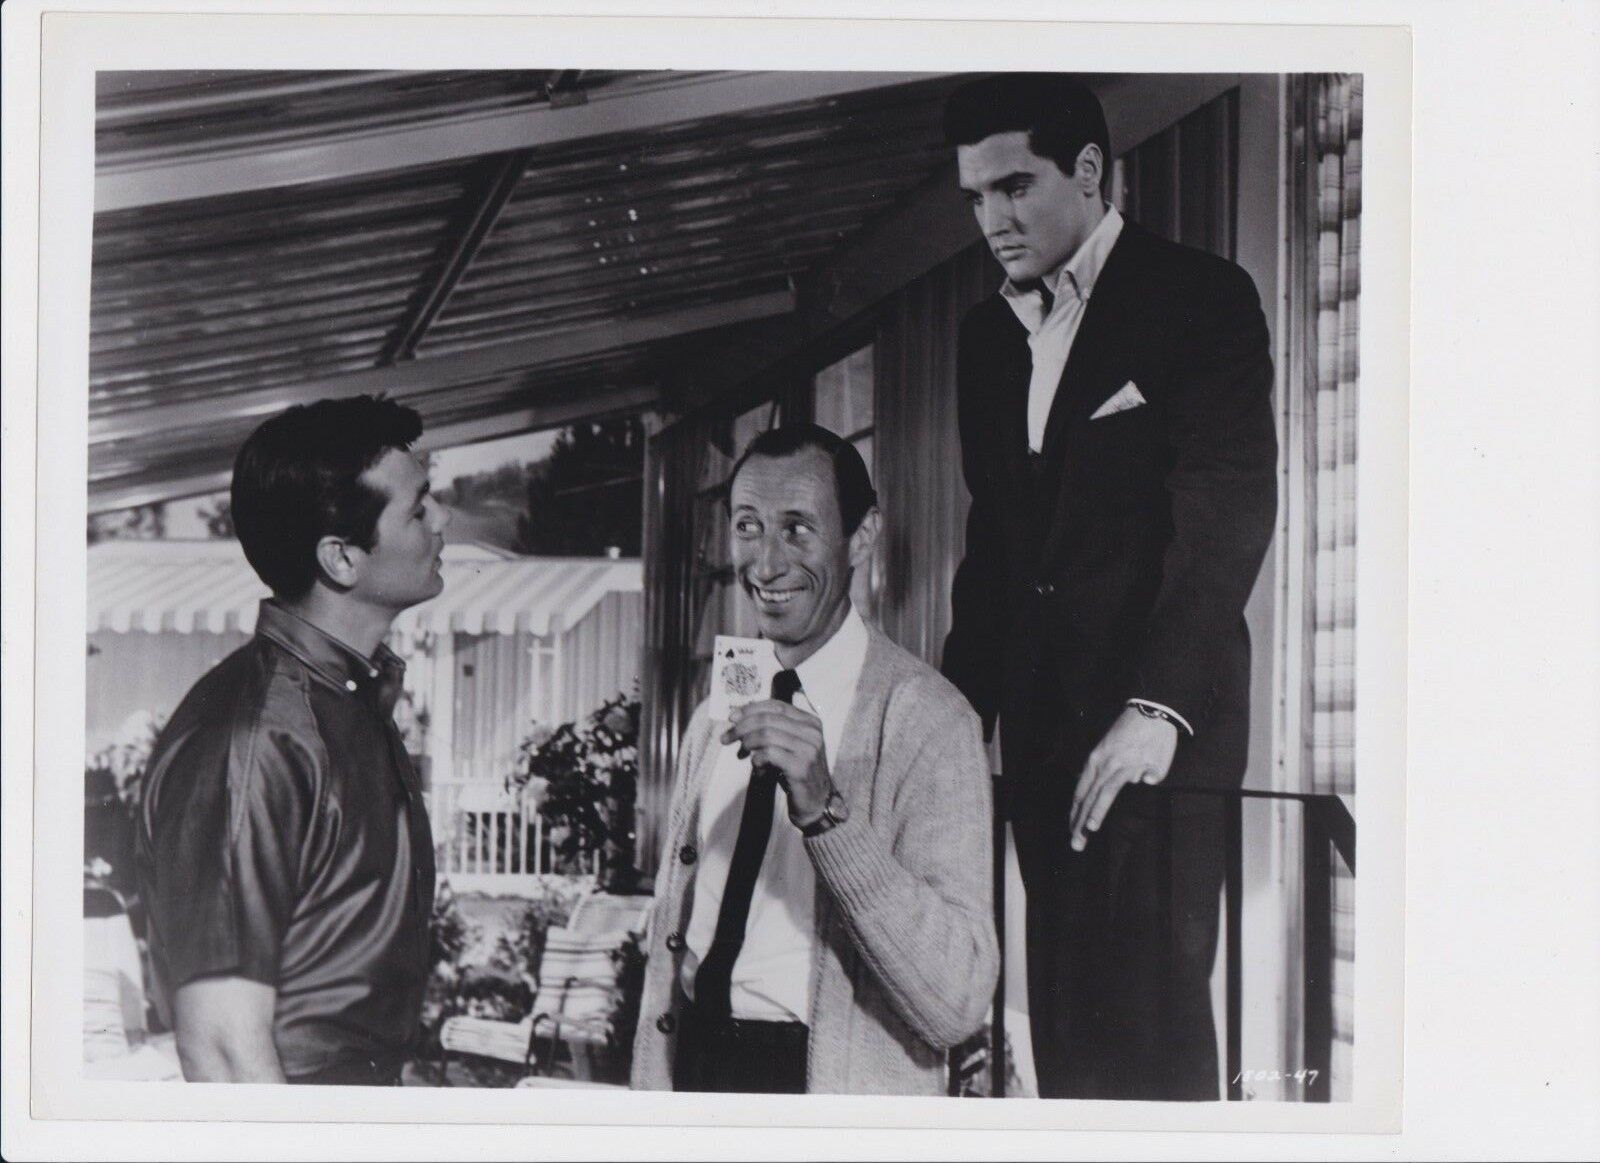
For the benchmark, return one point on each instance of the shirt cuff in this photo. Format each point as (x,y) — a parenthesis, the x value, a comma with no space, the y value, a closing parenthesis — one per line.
(1165,710)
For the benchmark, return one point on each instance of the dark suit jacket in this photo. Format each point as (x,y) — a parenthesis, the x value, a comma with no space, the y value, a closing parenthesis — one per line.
(1120,565)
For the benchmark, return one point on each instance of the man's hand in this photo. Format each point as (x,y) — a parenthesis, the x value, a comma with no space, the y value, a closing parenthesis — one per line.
(1137,749)
(782,736)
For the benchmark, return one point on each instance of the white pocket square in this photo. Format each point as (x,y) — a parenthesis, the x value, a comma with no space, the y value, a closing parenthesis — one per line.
(1128,396)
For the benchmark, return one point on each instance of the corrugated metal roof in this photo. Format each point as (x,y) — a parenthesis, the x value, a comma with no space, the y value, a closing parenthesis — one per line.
(208,311)
(190,586)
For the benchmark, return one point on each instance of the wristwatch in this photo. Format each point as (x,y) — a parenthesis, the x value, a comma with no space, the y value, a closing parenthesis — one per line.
(834,813)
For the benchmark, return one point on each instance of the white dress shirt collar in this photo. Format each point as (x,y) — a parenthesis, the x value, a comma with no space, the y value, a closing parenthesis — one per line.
(831,672)
(1074,278)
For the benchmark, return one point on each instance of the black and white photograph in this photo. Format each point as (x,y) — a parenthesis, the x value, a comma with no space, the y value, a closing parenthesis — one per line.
(611,593)
(590,335)
(843,287)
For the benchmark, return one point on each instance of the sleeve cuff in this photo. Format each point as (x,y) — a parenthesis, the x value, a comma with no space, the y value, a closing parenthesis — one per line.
(851,861)
(1182,723)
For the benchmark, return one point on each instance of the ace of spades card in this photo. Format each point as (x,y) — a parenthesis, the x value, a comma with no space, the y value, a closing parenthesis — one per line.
(741,673)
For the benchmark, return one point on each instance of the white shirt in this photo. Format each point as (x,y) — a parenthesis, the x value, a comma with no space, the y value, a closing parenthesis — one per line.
(1050,336)
(772,976)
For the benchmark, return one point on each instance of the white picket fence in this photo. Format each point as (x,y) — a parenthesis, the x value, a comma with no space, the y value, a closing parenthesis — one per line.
(489,840)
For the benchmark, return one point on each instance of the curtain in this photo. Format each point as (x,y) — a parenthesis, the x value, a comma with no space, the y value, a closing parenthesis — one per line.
(1325,249)
(674,593)
(921,490)
(1181,183)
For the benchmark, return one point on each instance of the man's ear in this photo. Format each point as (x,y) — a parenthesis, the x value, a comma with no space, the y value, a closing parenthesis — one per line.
(1089,169)
(865,538)
(339,560)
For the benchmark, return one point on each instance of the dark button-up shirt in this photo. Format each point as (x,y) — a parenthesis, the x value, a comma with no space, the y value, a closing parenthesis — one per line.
(284,839)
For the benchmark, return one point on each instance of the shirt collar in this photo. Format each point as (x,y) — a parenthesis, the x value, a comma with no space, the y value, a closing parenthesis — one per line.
(831,673)
(1077,276)
(342,665)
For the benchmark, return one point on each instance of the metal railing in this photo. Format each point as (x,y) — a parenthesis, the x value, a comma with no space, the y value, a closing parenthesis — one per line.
(1328,827)
(490,839)
(485,834)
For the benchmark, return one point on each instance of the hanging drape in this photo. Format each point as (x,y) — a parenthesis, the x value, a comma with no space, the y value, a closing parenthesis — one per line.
(674,591)
(1182,182)
(1325,248)
(920,486)
(1337,129)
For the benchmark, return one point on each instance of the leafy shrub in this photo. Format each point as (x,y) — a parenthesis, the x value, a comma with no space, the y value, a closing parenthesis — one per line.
(449,935)
(113,789)
(586,778)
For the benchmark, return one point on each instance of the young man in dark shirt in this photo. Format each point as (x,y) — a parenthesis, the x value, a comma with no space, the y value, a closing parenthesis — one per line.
(284,850)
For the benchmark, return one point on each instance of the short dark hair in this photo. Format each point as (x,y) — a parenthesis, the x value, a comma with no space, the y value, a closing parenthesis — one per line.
(297,479)
(851,481)
(1059,115)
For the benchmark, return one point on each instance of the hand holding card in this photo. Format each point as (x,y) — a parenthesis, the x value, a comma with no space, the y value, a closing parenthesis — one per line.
(741,673)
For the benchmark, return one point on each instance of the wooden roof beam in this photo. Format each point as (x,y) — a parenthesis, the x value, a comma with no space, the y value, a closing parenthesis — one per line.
(474,230)
(539,415)
(555,409)
(460,138)
(419,377)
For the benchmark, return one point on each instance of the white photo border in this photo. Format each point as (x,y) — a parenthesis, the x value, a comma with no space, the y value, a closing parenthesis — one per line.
(77,44)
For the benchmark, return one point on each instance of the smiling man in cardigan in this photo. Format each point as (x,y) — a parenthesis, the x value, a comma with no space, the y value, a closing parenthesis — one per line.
(837,937)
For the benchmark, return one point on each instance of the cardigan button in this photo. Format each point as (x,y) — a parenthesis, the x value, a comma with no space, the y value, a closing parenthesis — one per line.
(687,854)
(674,941)
(666,1023)
(1044,589)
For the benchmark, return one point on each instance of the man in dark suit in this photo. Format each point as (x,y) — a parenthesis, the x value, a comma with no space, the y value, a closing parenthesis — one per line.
(1118,441)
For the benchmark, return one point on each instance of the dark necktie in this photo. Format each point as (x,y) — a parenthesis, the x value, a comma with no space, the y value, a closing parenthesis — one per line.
(1049,301)
(714,978)
(1036,463)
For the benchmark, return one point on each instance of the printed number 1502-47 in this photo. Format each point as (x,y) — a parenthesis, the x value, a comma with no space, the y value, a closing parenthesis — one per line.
(1302,1076)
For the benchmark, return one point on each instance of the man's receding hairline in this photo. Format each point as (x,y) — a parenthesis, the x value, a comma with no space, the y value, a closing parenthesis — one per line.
(815,449)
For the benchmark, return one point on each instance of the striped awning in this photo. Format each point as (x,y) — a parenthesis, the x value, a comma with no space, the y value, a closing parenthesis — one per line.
(196,586)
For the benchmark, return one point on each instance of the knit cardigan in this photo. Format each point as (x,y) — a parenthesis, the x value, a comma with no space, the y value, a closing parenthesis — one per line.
(904,956)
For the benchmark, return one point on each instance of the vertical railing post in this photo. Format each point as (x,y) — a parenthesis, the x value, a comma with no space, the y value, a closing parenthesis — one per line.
(1233,882)
(1319,953)
(997,1055)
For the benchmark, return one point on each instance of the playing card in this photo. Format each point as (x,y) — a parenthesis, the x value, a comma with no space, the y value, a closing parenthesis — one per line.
(741,673)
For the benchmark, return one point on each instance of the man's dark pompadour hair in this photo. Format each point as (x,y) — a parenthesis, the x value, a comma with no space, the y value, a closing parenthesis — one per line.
(297,479)
(1059,115)
(851,481)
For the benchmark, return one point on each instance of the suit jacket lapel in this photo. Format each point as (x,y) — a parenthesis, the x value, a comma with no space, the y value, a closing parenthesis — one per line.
(1103,321)
(1085,381)
(1013,364)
